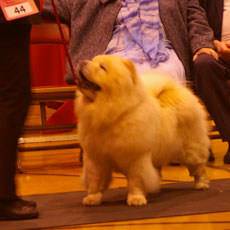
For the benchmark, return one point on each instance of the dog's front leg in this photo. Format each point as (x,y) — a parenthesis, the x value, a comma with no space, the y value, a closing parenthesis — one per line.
(93,198)
(96,178)
(136,195)
(142,178)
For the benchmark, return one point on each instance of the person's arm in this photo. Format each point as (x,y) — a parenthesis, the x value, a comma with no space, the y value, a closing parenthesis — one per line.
(63,9)
(200,34)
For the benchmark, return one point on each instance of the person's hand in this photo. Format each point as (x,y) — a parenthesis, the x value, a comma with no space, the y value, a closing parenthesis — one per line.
(207,51)
(223,49)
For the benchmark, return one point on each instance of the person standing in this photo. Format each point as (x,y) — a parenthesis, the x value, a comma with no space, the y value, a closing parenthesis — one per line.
(211,75)
(14,103)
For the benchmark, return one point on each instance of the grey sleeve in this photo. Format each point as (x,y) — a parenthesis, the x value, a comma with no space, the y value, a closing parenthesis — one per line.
(63,8)
(200,33)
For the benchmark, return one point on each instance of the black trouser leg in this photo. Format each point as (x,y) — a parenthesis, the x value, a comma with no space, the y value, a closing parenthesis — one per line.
(210,77)
(14,99)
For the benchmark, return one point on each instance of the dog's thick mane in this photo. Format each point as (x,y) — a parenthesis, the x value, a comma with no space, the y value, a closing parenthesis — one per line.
(103,111)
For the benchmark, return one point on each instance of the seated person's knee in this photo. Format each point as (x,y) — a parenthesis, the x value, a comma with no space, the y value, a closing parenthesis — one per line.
(204,61)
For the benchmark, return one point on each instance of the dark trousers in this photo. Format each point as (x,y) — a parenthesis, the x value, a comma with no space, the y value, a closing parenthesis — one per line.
(14,99)
(210,78)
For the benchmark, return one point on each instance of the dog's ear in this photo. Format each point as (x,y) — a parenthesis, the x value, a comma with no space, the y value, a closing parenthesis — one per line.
(130,65)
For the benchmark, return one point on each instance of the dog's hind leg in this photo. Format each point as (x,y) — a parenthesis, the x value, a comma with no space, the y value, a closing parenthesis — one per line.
(96,179)
(200,176)
(142,178)
(195,158)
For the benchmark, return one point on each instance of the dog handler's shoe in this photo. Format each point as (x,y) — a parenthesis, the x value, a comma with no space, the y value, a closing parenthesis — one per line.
(26,202)
(18,209)
(211,157)
(227,158)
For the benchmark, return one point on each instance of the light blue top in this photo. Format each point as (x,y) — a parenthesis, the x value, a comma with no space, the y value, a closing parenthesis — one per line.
(139,36)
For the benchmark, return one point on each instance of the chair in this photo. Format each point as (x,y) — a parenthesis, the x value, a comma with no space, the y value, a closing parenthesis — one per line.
(48,33)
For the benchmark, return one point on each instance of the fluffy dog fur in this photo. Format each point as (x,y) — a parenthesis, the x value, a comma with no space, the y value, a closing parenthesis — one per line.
(135,125)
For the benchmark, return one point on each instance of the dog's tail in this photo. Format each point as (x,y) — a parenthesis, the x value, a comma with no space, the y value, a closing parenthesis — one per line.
(157,83)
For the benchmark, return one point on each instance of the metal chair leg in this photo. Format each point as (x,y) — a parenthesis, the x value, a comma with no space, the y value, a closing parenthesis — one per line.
(81,156)
(19,166)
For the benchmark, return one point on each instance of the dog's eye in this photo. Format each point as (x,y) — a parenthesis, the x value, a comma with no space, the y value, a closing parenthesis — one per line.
(102,67)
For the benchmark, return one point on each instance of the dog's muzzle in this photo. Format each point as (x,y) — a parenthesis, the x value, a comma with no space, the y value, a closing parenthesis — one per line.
(84,83)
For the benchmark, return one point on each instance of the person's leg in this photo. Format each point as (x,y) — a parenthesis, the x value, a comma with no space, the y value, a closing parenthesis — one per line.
(227,155)
(210,78)
(14,103)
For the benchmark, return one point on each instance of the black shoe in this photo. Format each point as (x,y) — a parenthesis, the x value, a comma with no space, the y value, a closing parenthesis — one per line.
(211,157)
(18,210)
(26,202)
(227,158)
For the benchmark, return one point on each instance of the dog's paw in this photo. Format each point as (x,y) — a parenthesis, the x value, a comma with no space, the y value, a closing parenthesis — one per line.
(202,184)
(136,200)
(92,199)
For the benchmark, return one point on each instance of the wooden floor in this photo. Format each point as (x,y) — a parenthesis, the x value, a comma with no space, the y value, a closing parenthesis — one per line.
(54,171)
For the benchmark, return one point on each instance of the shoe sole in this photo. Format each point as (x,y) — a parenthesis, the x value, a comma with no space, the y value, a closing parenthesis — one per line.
(13,217)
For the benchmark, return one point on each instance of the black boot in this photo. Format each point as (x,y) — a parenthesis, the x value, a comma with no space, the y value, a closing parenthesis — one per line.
(211,157)
(26,202)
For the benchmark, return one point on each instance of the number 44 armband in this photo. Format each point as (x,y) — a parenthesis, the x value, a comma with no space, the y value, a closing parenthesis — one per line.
(18,8)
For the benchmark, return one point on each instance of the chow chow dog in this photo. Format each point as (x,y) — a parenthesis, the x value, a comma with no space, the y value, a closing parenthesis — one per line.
(135,125)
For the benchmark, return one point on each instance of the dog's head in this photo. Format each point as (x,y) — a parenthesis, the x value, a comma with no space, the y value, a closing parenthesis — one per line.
(105,74)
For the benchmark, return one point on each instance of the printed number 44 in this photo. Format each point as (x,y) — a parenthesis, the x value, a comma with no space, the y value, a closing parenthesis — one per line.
(19,10)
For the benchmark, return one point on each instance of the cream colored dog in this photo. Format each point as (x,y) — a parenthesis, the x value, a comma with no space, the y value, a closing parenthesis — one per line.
(135,126)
